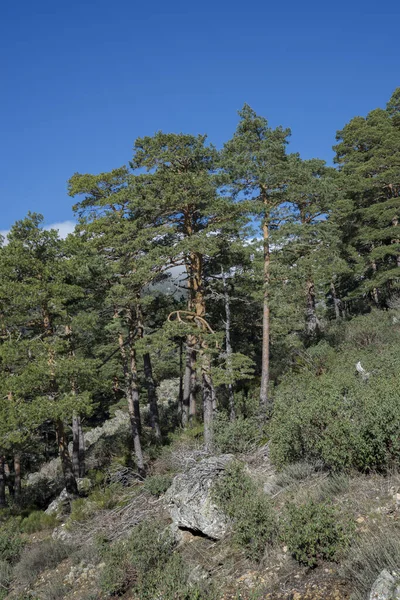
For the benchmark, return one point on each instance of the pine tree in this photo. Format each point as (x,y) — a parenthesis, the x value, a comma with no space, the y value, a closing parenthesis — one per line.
(254,161)
(368,157)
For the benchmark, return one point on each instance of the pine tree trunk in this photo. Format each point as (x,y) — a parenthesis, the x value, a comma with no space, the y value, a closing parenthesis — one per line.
(132,397)
(78,447)
(336,301)
(152,395)
(188,403)
(208,403)
(82,465)
(264,399)
(9,479)
(17,476)
(2,483)
(180,398)
(75,445)
(228,346)
(312,323)
(193,387)
(69,477)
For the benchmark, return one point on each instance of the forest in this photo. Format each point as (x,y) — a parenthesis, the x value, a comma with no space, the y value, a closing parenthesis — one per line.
(235,302)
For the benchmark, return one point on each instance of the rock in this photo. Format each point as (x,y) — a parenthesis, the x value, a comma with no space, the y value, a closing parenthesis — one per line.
(189,498)
(61,534)
(60,505)
(386,587)
(197,575)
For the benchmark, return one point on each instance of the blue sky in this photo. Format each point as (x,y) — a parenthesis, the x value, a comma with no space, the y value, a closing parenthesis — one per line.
(80,80)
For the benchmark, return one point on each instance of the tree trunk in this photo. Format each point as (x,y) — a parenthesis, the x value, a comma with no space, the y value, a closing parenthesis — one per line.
(132,397)
(189,382)
(69,477)
(180,398)
(264,399)
(208,403)
(312,323)
(228,346)
(75,445)
(336,301)
(9,479)
(151,395)
(17,476)
(2,483)
(78,447)
(82,465)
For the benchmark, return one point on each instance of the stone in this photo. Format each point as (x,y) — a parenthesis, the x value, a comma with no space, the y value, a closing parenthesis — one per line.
(189,499)
(60,505)
(385,587)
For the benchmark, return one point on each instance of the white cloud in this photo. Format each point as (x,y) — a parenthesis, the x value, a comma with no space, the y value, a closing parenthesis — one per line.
(63,228)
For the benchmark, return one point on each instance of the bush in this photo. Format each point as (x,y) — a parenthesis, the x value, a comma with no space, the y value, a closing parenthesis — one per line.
(37,521)
(11,541)
(6,573)
(38,557)
(158,484)
(339,419)
(254,524)
(147,563)
(313,532)
(240,435)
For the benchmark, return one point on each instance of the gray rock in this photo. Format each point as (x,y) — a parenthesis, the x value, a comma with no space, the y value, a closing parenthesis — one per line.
(386,587)
(189,499)
(60,505)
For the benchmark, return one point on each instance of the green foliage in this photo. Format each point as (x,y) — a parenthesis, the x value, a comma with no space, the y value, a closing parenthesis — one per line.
(157,484)
(6,574)
(147,563)
(240,435)
(11,541)
(38,557)
(314,532)
(103,498)
(254,524)
(37,521)
(338,416)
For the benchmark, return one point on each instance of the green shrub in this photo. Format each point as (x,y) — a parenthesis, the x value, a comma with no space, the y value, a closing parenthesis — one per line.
(37,521)
(6,573)
(11,541)
(147,563)
(254,524)
(339,419)
(158,484)
(238,436)
(314,532)
(38,557)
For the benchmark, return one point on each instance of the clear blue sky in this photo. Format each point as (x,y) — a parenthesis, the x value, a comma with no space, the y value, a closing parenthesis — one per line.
(81,79)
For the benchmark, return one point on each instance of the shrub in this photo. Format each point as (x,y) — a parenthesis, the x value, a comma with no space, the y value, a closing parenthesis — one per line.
(147,563)
(6,573)
(314,532)
(11,541)
(158,484)
(338,418)
(38,557)
(37,521)
(254,524)
(240,435)
(56,589)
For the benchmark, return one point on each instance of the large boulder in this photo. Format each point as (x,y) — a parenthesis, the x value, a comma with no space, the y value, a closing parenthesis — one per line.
(386,587)
(189,499)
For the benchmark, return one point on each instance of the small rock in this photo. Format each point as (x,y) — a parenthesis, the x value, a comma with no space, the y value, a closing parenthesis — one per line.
(385,587)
